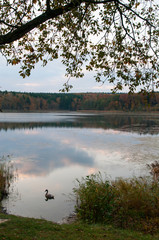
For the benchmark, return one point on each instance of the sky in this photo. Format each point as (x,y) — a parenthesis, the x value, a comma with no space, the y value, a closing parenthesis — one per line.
(46,79)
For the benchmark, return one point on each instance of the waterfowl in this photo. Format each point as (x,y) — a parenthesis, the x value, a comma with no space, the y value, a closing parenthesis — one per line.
(48,195)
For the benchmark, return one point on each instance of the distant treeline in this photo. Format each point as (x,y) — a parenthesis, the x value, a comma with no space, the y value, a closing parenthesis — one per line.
(17,101)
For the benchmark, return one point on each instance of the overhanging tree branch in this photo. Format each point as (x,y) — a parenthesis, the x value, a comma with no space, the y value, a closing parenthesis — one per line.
(20,31)
(127,54)
(26,28)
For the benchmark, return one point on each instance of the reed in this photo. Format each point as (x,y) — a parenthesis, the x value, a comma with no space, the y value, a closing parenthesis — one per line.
(6,176)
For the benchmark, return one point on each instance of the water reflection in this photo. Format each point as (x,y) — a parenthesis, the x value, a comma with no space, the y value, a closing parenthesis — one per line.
(142,124)
(8,176)
(47,149)
(49,156)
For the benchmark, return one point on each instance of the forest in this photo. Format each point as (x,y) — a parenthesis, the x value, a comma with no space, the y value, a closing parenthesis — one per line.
(19,101)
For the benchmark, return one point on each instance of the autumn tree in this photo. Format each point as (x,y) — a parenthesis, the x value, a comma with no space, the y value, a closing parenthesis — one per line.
(117,39)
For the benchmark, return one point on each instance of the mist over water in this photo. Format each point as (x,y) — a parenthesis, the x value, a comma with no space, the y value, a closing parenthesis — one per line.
(50,150)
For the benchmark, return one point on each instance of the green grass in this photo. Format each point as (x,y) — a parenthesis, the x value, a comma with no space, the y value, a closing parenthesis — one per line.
(19,228)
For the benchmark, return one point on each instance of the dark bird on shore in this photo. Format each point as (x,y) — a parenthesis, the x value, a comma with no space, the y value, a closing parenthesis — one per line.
(48,195)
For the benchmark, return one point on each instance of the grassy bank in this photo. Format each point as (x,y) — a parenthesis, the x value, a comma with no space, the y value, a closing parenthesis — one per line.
(18,228)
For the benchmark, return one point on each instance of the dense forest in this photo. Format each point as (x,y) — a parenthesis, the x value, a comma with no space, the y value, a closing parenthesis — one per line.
(18,101)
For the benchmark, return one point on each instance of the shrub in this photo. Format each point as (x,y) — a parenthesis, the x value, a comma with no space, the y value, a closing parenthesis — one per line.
(95,199)
(127,203)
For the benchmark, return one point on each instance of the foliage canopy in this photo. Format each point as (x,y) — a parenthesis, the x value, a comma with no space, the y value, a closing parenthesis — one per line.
(117,39)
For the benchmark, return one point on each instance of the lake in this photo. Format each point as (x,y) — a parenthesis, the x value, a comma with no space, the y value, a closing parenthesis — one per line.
(52,150)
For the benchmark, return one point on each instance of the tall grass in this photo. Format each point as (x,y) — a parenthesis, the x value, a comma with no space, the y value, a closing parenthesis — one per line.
(127,203)
(6,176)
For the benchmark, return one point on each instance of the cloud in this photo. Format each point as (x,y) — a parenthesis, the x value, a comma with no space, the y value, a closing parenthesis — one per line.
(29,84)
(45,79)
(103,88)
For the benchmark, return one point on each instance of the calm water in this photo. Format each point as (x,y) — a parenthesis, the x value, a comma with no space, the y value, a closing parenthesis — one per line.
(50,150)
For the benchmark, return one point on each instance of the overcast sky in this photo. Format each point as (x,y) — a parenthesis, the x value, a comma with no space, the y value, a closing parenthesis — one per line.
(46,79)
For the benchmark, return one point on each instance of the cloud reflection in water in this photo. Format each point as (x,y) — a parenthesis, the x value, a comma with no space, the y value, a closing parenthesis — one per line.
(39,152)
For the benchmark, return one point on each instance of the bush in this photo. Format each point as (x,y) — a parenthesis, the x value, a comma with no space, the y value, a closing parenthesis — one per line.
(127,203)
(96,199)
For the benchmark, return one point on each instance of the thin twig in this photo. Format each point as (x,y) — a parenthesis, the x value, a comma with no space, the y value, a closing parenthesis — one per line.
(138,15)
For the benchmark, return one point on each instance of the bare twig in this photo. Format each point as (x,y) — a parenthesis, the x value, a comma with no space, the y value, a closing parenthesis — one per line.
(7,24)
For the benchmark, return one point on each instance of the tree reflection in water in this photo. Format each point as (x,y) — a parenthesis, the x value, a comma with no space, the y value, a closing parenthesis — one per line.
(130,122)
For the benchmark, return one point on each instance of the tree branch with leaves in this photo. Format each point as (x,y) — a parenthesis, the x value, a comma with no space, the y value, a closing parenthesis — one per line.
(116,39)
